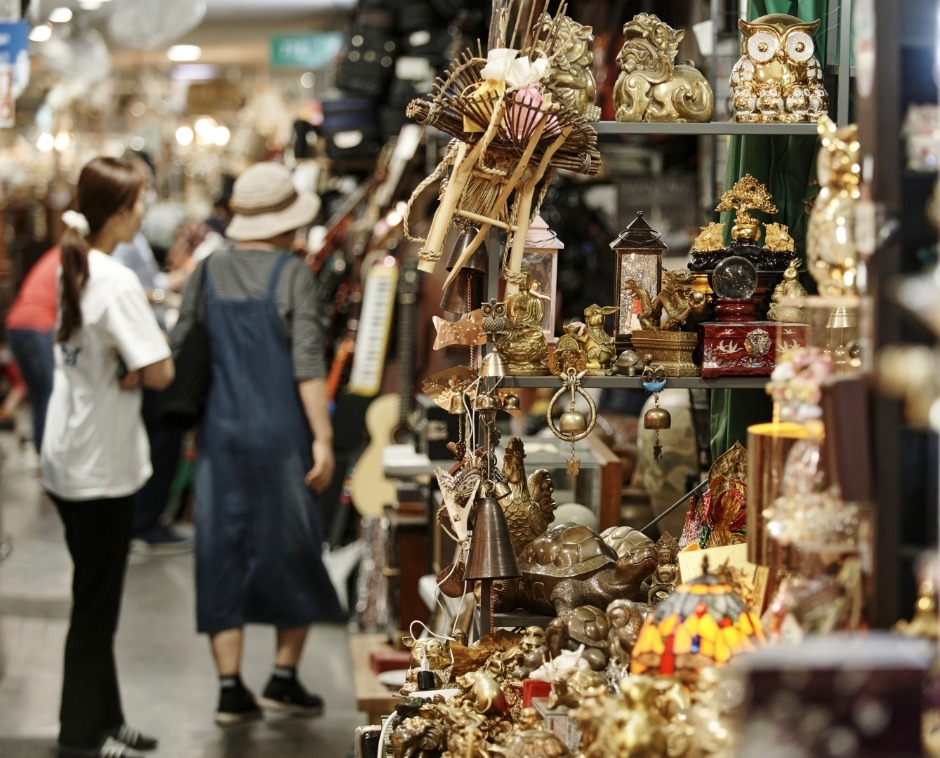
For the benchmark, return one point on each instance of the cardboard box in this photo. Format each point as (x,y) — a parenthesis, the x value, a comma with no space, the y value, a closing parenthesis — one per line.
(558,723)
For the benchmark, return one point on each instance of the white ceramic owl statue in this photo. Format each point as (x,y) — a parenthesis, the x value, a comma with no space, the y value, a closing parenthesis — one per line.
(777,77)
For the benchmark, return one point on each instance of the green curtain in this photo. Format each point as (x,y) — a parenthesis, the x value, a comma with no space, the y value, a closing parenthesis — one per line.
(786,166)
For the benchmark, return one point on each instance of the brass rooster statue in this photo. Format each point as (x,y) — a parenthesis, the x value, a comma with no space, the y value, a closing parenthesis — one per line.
(530,508)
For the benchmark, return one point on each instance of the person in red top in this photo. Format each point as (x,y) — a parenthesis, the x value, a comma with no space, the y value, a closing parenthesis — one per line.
(29,327)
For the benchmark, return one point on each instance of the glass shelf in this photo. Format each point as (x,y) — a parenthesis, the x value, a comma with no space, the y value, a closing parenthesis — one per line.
(709,127)
(624,382)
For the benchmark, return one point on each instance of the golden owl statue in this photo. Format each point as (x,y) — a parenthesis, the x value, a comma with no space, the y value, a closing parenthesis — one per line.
(777,77)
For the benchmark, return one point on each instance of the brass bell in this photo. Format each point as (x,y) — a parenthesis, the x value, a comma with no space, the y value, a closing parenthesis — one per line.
(511,402)
(484,402)
(657,418)
(572,422)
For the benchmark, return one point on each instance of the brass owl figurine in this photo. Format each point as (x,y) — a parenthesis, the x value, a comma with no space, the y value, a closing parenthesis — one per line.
(777,77)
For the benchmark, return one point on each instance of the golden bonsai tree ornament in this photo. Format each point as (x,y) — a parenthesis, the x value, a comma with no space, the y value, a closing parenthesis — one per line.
(747,194)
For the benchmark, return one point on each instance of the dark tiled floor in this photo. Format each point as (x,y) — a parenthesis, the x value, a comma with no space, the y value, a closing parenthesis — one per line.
(167,678)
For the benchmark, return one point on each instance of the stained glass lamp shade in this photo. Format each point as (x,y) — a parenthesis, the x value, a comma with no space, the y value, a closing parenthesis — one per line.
(702,623)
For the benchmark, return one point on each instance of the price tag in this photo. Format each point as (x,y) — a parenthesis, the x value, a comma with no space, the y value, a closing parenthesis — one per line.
(7,110)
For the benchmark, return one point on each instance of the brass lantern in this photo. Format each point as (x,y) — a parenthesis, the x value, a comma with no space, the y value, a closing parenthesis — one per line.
(540,257)
(639,251)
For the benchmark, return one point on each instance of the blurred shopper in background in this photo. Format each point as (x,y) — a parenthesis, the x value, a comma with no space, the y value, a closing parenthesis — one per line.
(29,327)
(265,445)
(95,456)
(152,535)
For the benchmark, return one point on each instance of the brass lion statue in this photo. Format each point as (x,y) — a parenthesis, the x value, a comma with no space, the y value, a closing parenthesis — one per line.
(651,87)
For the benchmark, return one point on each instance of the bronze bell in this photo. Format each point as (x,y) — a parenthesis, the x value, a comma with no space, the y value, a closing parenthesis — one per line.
(572,422)
(491,555)
(657,418)
(511,402)
(484,402)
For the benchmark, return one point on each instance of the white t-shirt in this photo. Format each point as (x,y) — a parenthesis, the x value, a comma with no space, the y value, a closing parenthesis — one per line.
(95,445)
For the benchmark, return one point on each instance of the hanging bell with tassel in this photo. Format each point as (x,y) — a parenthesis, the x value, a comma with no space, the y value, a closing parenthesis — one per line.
(656,418)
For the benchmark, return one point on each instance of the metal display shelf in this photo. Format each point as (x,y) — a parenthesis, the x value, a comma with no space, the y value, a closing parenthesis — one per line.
(626,382)
(707,128)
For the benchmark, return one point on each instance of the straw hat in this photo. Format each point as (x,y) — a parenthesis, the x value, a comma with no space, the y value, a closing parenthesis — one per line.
(266,203)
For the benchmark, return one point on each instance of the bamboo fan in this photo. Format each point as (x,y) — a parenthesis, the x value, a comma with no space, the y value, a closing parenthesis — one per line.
(506,142)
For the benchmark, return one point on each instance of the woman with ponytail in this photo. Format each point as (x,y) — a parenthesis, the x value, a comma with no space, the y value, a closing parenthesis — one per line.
(94,455)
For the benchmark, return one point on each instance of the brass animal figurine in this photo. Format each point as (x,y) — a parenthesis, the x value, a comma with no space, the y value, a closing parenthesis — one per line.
(777,77)
(586,625)
(530,508)
(417,737)
(625,617)
(577,685)
(530,739)
(467,330)
(598,347)
(777,239)
(789,287)
(651,86)
(676,299)
(433,652)
(709,239)
(570,76)
(570,566)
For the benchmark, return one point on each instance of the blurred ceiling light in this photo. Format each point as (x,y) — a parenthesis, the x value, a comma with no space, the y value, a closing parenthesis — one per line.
(60,15)
(40,33)
(62,142)
(45,142)
(194,72)
(184,136)
(221,136)
(205,130)
(90,5)
(181,53)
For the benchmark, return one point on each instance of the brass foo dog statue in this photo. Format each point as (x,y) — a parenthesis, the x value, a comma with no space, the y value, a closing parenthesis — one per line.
(651,87)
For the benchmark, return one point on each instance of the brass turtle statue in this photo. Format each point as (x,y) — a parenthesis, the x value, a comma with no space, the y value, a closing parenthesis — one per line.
(585,625)
(571,565)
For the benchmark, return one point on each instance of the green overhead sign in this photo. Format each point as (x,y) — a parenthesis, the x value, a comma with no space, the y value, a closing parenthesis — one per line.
(310,51)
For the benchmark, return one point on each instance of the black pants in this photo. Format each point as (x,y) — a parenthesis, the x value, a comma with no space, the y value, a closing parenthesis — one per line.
(165,439)
(98,533)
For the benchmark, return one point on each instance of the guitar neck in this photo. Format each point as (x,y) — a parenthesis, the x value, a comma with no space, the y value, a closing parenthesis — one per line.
(408,290)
